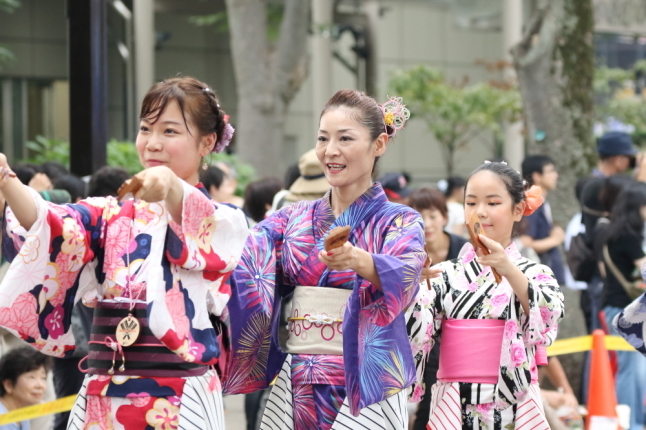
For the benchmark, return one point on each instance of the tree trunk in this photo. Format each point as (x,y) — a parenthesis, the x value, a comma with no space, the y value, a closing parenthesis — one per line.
(267,77)
(555,67)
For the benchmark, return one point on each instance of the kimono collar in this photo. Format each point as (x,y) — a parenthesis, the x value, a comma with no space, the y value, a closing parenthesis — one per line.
(511,251)
(324,219)
(203,189)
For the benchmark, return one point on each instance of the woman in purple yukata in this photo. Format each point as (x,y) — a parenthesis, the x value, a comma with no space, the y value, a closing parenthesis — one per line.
(490,332)
(348,360)
(154,268)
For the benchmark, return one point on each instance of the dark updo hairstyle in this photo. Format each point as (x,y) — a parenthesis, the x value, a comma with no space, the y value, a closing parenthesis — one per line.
(195,99)
(365,110)
(428,198)
(19,361)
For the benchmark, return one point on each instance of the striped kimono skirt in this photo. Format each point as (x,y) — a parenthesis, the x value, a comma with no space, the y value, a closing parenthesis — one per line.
(310,393)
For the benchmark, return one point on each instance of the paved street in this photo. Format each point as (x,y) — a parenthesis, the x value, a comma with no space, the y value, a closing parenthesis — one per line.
(234,412)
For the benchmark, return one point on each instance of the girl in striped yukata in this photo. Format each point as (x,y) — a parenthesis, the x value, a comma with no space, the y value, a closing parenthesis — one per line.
(490,331)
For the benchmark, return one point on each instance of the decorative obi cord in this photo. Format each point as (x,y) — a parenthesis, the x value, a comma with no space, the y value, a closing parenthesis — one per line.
(467,342)
(147,356)
(316,323)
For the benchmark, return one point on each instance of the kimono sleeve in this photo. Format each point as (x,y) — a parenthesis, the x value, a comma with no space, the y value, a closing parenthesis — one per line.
(398,266)
(423,322)
(210,237)
(254,308)
(49,273)
(630,323)
(545,306)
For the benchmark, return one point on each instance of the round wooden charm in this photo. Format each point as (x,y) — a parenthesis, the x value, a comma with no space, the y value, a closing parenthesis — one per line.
(127,331)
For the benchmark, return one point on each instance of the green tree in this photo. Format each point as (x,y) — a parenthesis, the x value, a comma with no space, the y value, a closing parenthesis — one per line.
(9,6)
(618,97)
(456,114)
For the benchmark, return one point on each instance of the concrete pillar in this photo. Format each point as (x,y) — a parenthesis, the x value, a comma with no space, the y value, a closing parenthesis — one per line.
(512,30)
(88,77)
(144,40)
(321,72)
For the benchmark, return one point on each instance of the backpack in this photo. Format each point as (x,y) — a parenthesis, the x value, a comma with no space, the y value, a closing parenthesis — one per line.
(580,259)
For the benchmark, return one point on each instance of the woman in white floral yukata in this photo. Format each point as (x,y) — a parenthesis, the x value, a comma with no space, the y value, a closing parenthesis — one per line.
(153,267)
(490,331)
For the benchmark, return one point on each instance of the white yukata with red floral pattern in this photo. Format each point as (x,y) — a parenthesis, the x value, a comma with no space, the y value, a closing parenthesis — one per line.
(466,290)
(87,251)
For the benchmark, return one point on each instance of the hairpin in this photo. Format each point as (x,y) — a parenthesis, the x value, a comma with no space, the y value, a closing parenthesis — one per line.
(395,115)
(227,135)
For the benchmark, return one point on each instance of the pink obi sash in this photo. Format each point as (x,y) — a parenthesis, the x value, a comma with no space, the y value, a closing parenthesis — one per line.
(470,351)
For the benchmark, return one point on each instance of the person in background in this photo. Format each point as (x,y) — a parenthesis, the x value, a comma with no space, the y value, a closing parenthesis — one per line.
(23,380)
(311,184)
(291,175)
(74,185)
(212,178)
(395,186)
(440,246)
(226,191)
(542,235)
(623,237)
(106,181)
(258,197)
(453,189)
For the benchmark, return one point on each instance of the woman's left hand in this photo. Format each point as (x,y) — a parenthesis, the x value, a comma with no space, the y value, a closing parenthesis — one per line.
(497,258)
(344,257)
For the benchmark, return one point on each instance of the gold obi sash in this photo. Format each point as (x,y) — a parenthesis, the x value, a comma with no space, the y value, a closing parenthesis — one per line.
(315,326)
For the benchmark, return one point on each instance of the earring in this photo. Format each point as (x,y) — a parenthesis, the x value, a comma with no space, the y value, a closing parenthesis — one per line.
(204,165)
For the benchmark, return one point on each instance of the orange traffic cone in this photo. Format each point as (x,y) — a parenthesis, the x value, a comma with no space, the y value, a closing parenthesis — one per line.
(602,399)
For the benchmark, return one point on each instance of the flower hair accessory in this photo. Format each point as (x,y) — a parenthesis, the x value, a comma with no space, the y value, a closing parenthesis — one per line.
(226,137)
(395,115)
(534,199)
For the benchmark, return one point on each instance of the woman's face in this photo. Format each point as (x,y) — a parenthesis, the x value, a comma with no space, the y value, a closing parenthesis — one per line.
(487,196)
(345,149)
(434,223)
(642,210)
(29,388)
(168,143)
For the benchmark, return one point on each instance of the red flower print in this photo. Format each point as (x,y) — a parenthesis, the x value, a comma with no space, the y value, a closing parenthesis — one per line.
(54,322)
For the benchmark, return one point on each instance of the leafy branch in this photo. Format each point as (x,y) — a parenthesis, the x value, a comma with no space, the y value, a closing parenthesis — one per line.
(456,113)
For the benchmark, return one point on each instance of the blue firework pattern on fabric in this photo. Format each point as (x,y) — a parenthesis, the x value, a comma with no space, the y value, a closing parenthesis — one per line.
(282,253)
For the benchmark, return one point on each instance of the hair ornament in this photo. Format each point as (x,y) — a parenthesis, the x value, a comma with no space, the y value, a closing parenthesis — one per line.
(534,199)
(226,137)
(395,115)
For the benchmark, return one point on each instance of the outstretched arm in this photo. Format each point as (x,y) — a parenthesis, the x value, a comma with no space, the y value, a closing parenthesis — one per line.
(17,196)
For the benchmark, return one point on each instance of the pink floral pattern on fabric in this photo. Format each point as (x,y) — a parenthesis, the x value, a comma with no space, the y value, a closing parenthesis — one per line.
(58,262)
(451,297)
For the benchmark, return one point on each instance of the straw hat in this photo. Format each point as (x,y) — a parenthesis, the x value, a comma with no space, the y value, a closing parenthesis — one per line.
(312,184)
